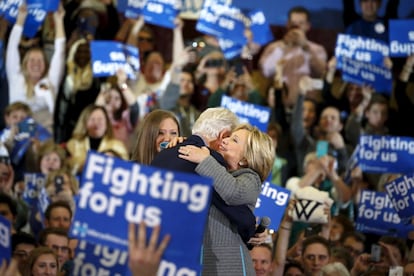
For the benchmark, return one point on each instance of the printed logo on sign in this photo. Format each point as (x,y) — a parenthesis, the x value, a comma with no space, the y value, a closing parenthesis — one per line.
(307,208)
(80,229)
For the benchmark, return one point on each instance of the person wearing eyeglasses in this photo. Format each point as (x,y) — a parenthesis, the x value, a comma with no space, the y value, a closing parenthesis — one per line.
(315,254)
(56,239)
(22,244)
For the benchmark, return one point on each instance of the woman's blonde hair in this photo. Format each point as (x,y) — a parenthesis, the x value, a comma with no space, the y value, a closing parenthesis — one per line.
(50,146)
(29,85)
(81,130)
(259,151)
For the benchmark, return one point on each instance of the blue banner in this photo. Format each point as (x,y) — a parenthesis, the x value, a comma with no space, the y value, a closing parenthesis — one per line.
(401,193)
(109,56)
(386,154)
(376,215)
(229,48)
(272,203)
(161,12)
(222,20)
(362,73)
(5,240)
(361,49)
(96,259)
(131,8)
(114,188)
(401,33)
(28,129)
(254,114)
(33,183)
(262,34)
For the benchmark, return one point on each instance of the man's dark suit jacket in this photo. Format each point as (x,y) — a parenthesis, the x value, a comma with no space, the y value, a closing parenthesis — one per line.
(239,215)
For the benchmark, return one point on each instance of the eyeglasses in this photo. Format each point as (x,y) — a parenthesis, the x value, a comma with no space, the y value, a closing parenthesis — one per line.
(145,39)
(64,249)
(21,254)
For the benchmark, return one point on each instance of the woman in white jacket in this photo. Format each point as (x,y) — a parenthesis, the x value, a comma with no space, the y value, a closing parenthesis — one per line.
(33,80)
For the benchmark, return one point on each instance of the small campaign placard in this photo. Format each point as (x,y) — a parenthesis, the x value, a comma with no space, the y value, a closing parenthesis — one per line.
(253,114)
(376,215)
(363,73)
(401,193)
(260,28)
(385,154)
(115,190)
(272,203)
(109,56)
(362,49)
(161,12)
(401,33)
(5,240)
(222,20)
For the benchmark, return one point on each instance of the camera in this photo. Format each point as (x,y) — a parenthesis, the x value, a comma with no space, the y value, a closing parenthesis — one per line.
(214,63)
(58,183)
(375,253)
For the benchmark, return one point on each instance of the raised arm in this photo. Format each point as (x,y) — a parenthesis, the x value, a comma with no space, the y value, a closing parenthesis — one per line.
(13,66)
(57,63)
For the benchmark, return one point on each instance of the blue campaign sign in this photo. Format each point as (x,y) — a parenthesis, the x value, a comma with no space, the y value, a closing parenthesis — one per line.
(376,215)
(97,259)
(386,154)
(51,5)
(401,33)
(361,49)
(28,129)
(272,203)
(131,8)
(161,12)
(33,183)
(262,34)
(222,20)
(362,73)
(10,9)
(229,48)
(114,189)
(109,56)
(37,11)
(253,114)
(401,193)
(5,240)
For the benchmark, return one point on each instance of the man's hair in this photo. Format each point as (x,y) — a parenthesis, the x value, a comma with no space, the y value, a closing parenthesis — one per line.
(214,120)
(358,236)
(9,201)
(22,237)
(18,106)
(268,247)
(49,231)
(342,254)
(299,9)
(396,242)
(316,239)
(56,204)
(295,264)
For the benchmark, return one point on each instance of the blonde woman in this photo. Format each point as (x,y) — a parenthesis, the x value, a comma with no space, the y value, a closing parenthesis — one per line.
(34,81)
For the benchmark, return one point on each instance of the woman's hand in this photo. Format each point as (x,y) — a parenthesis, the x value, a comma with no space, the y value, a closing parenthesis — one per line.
(193,153)
(175,141)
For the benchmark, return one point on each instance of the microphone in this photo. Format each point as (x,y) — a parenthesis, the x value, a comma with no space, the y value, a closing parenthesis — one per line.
(264,223)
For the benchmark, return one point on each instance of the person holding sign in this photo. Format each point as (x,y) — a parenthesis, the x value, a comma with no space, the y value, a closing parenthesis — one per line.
(32,80)
(301,56)
(249,154)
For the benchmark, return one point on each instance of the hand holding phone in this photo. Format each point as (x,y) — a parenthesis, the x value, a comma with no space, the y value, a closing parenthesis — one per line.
(375,253)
